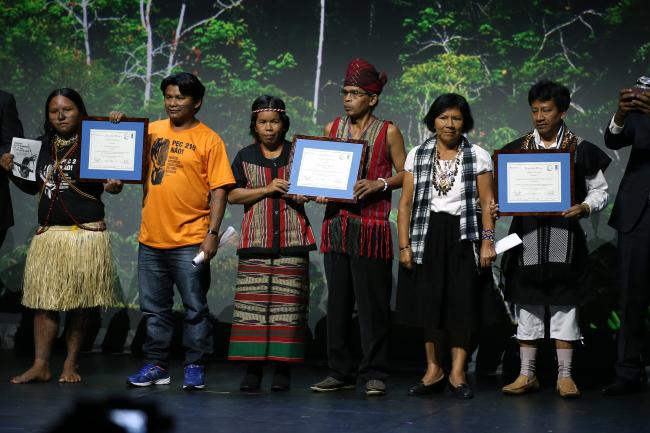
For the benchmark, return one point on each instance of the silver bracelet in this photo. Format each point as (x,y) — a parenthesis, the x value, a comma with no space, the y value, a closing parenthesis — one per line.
(385,183)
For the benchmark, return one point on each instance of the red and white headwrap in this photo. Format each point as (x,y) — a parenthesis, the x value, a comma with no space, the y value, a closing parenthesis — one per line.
(362,74)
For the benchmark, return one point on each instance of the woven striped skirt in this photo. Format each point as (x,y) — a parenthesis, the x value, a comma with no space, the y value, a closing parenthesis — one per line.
(270,310)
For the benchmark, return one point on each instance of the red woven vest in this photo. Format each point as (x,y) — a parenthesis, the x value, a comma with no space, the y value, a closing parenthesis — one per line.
(362,229)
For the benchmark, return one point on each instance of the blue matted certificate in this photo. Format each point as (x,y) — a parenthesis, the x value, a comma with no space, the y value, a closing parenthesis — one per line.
(327,167)
(533,182)
(113,150)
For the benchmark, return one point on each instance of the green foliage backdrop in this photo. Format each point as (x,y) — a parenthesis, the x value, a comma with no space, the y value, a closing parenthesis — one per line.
(115,52)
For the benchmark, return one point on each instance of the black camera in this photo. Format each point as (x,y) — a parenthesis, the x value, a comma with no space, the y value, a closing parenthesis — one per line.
(642,85)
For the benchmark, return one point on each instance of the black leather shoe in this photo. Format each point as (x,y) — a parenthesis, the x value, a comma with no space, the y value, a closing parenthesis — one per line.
(281,378)
(622,387)
(253,378)
(422,389)
(462,391)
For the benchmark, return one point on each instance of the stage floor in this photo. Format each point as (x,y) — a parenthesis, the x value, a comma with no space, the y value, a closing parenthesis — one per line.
(222,408)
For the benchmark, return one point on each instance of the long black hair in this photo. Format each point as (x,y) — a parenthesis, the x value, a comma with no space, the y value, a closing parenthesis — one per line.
(71,94)
(273,103)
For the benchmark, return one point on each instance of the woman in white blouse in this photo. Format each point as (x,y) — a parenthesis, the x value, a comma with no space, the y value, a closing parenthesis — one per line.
(444,241)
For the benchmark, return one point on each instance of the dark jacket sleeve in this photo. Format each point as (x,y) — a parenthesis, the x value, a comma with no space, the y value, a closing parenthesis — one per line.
(11,125)
(636,133)
(26,186)
(615,141)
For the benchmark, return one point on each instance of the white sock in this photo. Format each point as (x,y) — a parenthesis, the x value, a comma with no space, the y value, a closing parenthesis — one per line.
(564,357)
(527,355)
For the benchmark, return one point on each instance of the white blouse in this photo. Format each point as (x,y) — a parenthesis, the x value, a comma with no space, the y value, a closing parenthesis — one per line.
(451,202)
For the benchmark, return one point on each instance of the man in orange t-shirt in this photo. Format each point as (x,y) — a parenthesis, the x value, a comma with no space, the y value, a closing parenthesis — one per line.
(184,203)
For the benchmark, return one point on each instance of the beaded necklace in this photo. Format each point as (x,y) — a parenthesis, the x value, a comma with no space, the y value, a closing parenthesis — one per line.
(59,143)
(444,172)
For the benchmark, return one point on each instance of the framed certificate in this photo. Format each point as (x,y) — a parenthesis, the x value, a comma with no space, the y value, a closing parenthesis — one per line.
(327,167)
(113,150)
(533,182)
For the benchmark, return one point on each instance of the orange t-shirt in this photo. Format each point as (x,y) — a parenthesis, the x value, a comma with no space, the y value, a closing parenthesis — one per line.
(183,167)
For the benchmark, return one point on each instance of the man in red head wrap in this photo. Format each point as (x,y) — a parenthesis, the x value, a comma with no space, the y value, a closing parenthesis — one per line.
(356,239)
(363,75)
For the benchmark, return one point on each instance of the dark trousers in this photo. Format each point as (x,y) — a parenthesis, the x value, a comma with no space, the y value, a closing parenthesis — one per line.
(158,271)
(3,234)
(369,282)
(634,262)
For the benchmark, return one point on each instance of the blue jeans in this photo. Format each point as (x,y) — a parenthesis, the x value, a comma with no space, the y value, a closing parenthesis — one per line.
(158,271)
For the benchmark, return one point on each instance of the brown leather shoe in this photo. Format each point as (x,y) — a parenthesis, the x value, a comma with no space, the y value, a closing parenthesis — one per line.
(522,385)
(567,388)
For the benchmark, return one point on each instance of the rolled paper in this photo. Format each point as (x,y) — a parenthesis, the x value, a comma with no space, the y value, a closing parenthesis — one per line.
(196,261)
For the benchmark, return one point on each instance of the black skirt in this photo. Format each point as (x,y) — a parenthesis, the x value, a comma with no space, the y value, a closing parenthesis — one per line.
(446,291)
(548,283)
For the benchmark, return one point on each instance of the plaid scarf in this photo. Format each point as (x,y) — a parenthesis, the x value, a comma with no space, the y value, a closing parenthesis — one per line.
(422,181)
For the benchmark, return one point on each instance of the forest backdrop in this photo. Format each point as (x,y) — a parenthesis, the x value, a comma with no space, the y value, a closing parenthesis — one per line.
(115,53)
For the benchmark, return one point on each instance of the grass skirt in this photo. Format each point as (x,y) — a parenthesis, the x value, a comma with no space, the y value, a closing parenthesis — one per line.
(67,268)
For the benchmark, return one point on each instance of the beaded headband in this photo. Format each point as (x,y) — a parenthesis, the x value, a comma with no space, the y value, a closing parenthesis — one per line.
(277,110)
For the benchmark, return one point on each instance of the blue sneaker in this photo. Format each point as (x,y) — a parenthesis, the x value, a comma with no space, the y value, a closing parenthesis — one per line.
(150,374)
(194,377)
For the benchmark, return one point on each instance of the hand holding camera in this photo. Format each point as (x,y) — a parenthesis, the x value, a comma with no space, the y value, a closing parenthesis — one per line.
(636,99)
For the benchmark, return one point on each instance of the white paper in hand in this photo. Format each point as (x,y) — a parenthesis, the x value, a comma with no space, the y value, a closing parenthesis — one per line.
(25,154)
(227,235)
(198,259)
(507,243)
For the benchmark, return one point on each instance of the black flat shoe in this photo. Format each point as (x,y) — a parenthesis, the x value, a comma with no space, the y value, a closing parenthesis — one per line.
(622,387)
(250,383)
(462,391)
(422,389)
(281,378)
(252,379)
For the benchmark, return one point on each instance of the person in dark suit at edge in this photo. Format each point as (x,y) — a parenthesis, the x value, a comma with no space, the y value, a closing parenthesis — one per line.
(10,127)
(630,126)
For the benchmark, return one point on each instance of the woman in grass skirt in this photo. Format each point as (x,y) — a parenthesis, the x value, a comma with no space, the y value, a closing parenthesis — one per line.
(68,266)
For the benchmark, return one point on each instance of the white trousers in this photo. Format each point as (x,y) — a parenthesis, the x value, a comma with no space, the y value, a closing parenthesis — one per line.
(564,322)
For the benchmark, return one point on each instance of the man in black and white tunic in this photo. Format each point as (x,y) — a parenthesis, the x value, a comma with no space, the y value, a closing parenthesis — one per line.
(549,271)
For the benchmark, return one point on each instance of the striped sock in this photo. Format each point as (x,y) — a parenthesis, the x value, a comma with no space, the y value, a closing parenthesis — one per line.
(564,357)
(527,355)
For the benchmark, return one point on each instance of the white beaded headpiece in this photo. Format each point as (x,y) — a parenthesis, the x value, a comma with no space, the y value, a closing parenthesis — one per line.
(277,110)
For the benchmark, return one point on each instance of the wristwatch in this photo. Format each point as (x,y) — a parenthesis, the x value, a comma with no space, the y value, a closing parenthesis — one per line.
(213,232)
